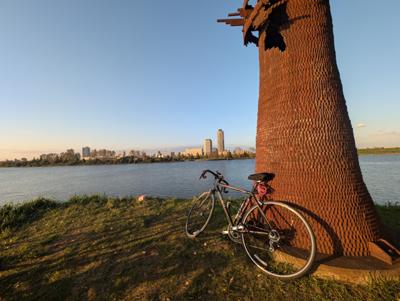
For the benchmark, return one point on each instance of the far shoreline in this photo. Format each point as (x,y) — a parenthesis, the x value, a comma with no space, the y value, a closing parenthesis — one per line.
(117,163)
(379,151)
(361,153)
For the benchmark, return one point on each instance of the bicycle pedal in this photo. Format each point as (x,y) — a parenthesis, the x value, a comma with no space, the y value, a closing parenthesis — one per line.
(225,232)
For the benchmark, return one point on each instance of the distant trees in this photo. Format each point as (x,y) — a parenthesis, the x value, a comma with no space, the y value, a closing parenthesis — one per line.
(70,158)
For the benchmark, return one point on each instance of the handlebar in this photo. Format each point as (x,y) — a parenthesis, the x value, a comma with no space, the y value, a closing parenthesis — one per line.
(217,175)
(204,176)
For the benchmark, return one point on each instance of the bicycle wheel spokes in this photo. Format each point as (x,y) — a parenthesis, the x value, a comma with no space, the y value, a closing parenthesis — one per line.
(200,214)
(282,244)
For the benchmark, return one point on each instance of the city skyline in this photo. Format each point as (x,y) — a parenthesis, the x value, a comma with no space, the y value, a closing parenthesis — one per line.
(100,81)
(150,151)
(86,151)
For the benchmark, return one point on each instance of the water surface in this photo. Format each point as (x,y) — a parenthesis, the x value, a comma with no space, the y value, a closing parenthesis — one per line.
(381,174)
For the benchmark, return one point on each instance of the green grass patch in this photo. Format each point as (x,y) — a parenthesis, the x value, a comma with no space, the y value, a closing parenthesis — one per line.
(390,215)
(379,151)
(13,216)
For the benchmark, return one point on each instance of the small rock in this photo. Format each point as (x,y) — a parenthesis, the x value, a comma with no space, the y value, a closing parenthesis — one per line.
(141,198)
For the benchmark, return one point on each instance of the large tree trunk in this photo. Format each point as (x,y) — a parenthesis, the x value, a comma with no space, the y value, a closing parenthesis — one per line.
(305,137)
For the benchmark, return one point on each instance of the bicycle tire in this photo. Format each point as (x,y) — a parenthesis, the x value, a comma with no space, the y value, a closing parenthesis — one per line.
(203,207)
(288,250)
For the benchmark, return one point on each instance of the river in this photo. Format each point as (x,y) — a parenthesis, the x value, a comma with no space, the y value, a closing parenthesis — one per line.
(381,174)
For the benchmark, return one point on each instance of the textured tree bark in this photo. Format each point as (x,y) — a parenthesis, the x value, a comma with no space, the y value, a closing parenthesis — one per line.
(305,137)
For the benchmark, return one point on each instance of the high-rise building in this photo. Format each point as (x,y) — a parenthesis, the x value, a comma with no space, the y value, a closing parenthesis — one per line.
(220,142)
(207,147)
(86,152)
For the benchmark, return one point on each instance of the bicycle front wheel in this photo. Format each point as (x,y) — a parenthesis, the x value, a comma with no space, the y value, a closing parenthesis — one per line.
(278,240)
(200,214)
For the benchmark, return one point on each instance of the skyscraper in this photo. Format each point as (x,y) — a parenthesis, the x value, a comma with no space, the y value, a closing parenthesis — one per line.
(220,142)
(207,147)
(86,152)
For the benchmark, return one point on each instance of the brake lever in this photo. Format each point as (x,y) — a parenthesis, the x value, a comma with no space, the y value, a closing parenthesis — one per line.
(203,175)
(225,190)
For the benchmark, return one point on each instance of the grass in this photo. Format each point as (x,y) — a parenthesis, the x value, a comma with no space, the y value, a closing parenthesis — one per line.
(390,215)
(13,216)
(379,151)
(100,248)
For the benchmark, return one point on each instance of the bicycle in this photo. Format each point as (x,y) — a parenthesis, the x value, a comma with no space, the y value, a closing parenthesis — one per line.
(275,236)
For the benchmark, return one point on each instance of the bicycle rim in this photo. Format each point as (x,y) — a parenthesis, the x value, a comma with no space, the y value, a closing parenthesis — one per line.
(282,246)
(200,214)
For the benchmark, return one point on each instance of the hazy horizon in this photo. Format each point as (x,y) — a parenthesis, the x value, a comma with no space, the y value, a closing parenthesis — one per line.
(18,154)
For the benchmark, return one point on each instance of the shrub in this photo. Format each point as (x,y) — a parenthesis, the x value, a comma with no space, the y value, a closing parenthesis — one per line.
(14,216)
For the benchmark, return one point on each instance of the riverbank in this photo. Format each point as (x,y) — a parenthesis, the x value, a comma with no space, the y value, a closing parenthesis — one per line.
(121,161)
(99,248)
(129,160)
(379,151)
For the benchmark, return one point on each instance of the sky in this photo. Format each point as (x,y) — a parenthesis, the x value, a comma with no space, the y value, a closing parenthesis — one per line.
(163,74)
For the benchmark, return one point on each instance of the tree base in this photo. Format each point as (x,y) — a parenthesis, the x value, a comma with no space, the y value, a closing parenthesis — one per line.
(355,269)
(384,251)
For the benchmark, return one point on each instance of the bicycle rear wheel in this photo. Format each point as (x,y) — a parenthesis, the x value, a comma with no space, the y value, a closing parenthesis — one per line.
(280,242)
(200,214)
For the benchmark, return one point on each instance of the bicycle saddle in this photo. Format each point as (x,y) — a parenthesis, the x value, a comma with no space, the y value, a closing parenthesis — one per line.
(262,177)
